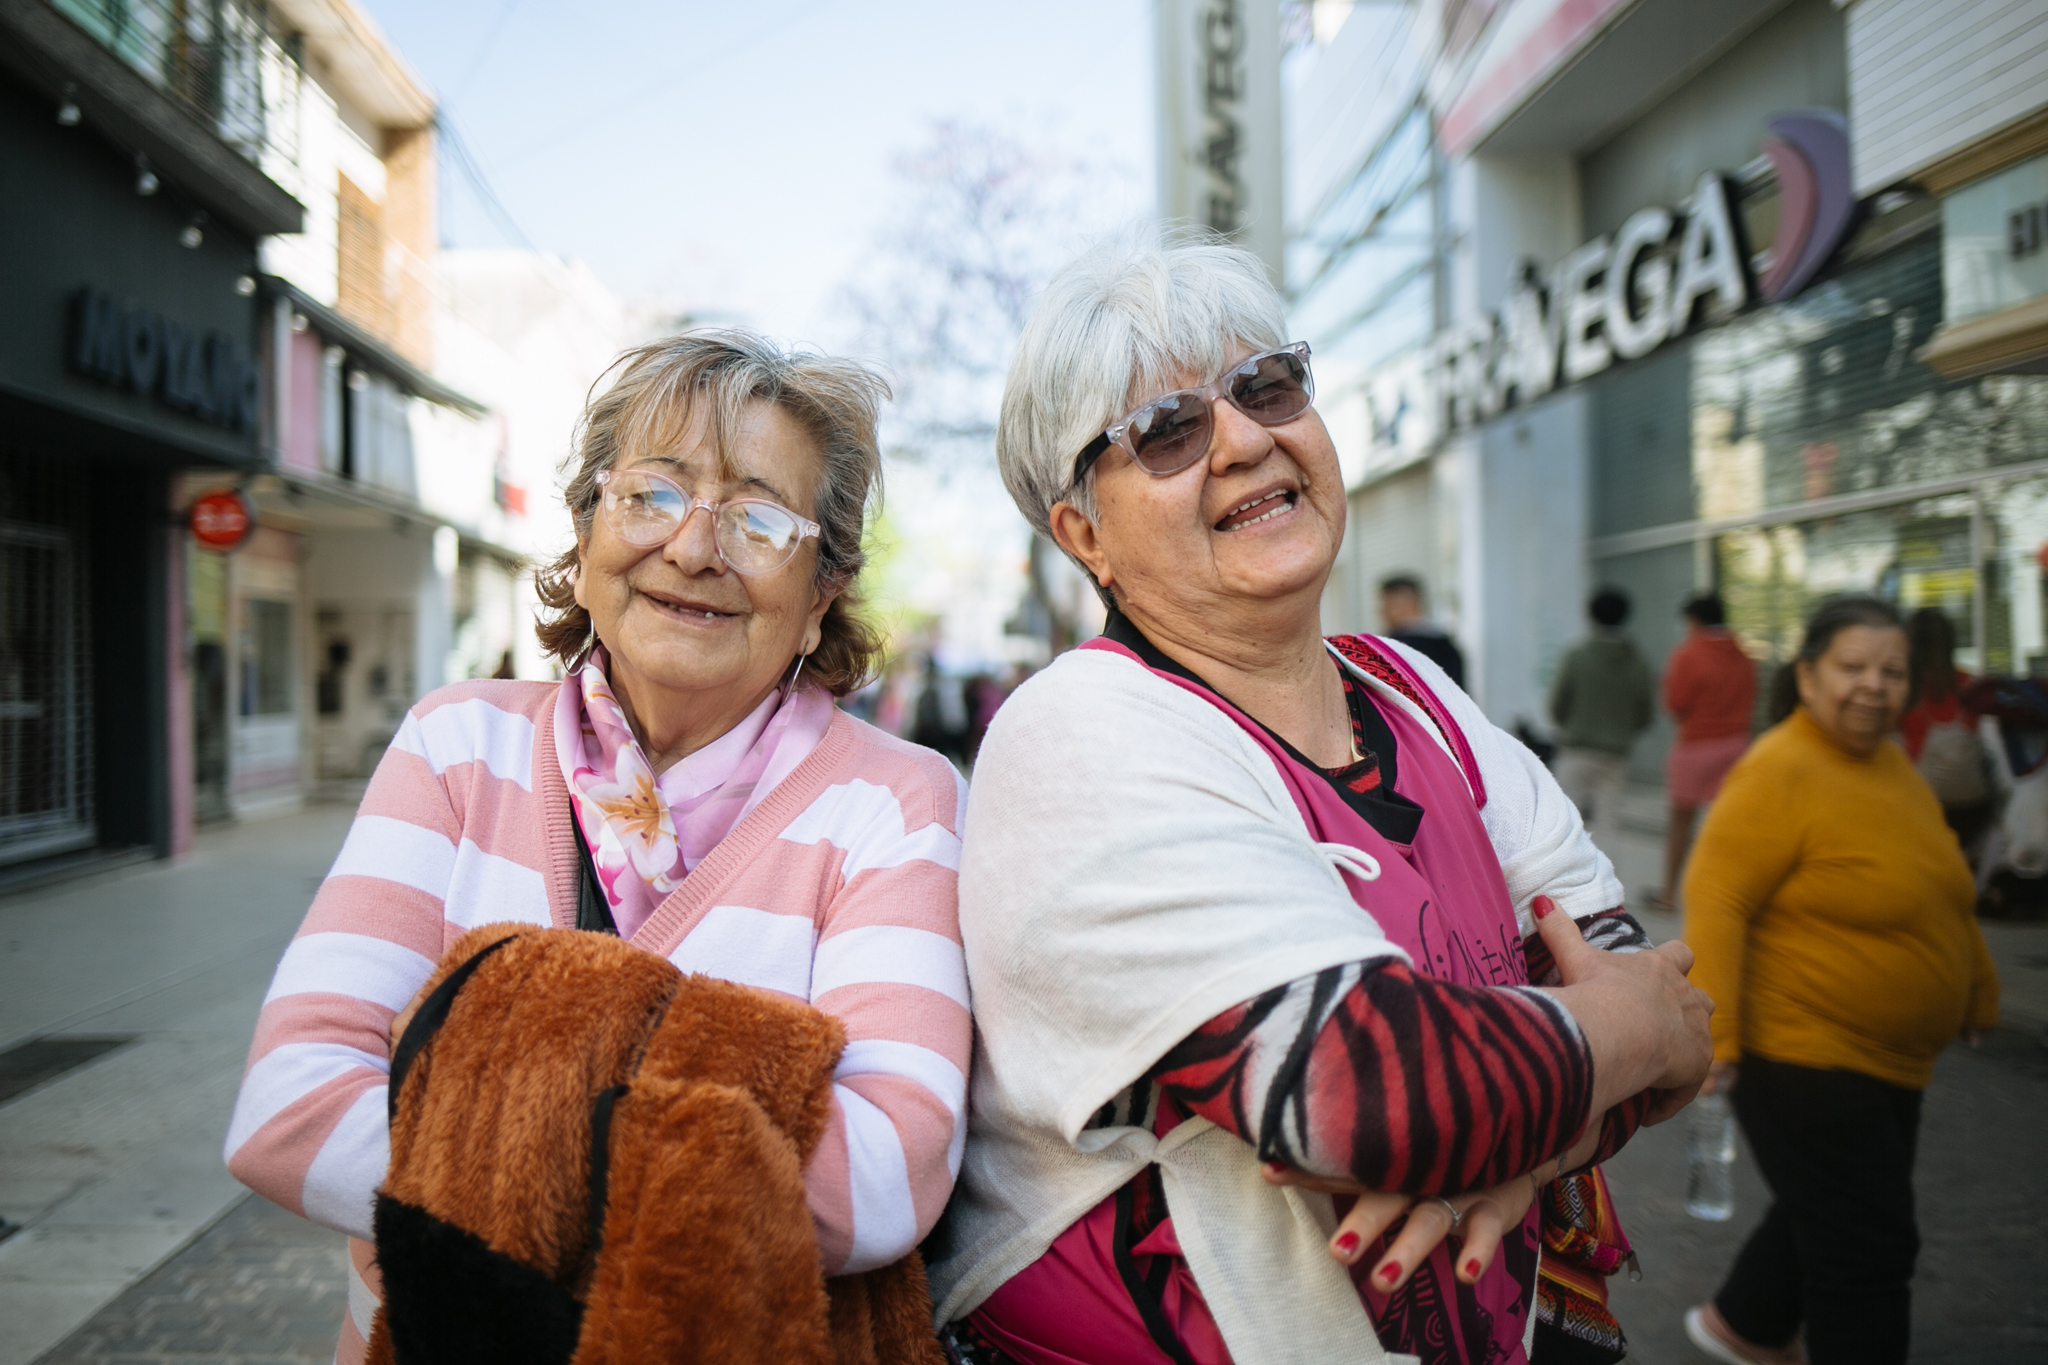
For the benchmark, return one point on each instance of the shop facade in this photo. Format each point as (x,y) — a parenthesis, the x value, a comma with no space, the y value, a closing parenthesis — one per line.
(128,262)
(1693,331)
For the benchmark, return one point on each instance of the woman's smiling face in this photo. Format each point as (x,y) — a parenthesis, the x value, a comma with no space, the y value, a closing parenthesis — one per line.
(1856,691)
(1258,519)
(674,616)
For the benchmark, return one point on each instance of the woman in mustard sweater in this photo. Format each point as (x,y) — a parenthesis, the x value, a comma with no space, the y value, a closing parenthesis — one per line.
(1832,919)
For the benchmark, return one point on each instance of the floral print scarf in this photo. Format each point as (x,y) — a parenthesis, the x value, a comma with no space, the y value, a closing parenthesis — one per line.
(646,833)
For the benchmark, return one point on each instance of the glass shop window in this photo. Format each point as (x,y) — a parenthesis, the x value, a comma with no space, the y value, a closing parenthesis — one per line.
(266,658)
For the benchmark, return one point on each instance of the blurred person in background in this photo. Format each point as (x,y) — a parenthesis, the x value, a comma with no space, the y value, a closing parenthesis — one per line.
(689,785)
(939,721)
(1232,890)
(1833,918)
(984,696)
(1710,690)
(1600,701)
(1940,729)
(1404,617)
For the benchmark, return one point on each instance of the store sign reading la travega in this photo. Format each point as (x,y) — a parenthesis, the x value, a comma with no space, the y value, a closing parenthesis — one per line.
(1666,272)
(1612,299)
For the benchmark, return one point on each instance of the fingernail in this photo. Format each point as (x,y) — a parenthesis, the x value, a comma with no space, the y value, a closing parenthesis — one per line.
(1542,905)
(1347,1245)
(1472,1267)
(1391,1271)
(1274,1168)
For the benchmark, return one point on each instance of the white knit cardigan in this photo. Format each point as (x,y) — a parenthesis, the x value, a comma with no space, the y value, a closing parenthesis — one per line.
(1132,867)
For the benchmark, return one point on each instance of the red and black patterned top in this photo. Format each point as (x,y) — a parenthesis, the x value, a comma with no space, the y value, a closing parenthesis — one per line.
(1327,1074)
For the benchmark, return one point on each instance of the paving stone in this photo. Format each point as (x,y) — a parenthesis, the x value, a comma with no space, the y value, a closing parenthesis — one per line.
(259,1287)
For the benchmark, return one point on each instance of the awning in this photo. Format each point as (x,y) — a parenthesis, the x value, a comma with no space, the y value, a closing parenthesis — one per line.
(2011,341)
(370,351)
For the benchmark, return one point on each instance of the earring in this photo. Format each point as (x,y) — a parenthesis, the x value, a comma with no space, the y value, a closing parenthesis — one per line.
(789,685)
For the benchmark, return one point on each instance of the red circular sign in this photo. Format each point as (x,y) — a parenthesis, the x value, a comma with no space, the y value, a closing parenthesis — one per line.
(222,521)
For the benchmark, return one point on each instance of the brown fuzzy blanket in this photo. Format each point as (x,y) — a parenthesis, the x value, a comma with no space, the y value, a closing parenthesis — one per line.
(500,1239)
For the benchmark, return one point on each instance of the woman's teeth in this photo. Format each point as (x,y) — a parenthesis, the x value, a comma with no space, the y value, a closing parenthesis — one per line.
(1284,502)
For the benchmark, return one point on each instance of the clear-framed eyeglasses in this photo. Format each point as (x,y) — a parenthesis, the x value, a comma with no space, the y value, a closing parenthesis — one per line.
(753,535)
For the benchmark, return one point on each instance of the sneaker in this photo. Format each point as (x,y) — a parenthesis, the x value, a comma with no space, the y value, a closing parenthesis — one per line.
(1708,1330)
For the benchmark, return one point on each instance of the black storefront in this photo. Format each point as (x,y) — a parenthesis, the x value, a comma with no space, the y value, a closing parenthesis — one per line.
(128,336)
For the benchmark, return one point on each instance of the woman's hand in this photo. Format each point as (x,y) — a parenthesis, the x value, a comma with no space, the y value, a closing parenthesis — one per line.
(1645,1024)
(1481,1220)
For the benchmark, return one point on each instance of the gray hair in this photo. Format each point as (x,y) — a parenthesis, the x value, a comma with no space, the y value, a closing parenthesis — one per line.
(1125,321)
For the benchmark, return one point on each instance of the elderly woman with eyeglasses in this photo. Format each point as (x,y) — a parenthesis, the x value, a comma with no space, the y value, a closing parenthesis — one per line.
(689,785)
(1251,916)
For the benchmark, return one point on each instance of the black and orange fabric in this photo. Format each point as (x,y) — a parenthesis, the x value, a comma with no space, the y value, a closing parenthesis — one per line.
(1583,1244)
(597,1160)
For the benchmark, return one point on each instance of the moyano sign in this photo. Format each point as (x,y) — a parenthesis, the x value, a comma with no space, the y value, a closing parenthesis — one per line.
(1664,273)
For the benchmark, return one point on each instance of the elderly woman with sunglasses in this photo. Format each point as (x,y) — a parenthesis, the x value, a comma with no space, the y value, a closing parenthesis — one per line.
(1251,916)
(689,785)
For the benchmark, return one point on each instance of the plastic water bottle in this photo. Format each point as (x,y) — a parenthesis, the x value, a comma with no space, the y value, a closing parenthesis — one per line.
(1710,1152)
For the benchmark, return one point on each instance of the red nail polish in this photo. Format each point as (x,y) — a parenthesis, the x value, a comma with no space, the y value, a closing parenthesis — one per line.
(1472,1267)
(1542,906)
(1347,1245)
(1390,1272)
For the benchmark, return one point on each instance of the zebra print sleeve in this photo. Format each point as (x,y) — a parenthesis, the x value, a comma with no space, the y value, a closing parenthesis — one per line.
(1370,1073)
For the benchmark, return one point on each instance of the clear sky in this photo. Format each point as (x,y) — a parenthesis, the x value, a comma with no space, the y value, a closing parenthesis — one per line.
(735,159)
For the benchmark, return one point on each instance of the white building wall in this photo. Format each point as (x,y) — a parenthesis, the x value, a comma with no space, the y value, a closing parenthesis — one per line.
(1341,98)
(1528,530)
(1513,209)
(529,334)
(1929,77)
(328,148)
(1513,493)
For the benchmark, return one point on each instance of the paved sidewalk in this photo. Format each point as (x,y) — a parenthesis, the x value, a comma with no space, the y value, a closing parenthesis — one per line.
(115,1165)
(259,1287)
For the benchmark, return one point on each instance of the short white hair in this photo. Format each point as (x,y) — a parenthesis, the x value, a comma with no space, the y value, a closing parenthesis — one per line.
(1122,323)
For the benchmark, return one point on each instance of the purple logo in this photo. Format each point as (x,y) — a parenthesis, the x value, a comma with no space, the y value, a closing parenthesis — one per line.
(1810,152)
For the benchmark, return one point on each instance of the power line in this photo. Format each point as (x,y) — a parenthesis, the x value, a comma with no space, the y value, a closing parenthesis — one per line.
(483,51)
(467,163)
(667,82)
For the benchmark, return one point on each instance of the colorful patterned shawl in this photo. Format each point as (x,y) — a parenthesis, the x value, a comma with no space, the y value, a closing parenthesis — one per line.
(645,833)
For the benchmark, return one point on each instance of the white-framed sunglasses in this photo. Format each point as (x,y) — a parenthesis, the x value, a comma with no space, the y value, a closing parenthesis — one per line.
(1173,431)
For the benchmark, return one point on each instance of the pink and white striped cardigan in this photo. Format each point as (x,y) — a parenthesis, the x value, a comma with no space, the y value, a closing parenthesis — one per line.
(838,890)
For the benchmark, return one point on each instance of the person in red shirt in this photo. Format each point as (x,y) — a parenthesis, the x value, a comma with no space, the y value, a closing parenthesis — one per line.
(1940,729)
(1710,690)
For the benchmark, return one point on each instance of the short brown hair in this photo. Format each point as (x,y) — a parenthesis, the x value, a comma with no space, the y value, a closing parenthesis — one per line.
(662,391)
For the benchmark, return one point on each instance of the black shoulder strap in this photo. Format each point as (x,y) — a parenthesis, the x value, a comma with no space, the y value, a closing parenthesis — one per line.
(593,911)
(427,1021)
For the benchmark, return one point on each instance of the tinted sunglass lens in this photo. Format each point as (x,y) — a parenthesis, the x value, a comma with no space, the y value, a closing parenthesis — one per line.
(1171,433)
(1272,391)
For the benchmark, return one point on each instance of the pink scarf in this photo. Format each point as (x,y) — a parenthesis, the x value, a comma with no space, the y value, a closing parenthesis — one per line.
(646,833)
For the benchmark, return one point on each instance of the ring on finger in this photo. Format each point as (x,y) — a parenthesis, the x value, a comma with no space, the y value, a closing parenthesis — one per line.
(1451,1209)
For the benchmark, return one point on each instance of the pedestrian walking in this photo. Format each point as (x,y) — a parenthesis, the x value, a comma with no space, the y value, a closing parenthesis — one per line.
(1710,690)
(1601,700)
(689,785)
(1939,729)
(1833,918)
(1404,617)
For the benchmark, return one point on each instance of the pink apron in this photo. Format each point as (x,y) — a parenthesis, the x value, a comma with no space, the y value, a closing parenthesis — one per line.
(1443,900)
